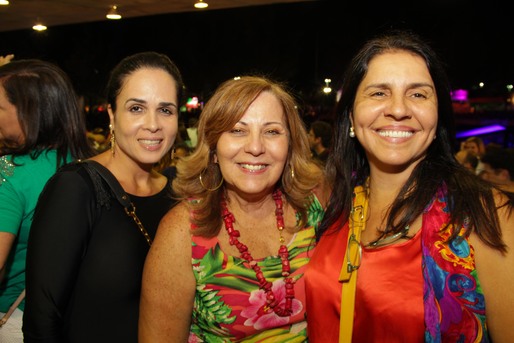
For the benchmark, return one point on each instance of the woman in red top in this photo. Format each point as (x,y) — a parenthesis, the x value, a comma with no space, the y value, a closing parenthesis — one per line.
(428,240)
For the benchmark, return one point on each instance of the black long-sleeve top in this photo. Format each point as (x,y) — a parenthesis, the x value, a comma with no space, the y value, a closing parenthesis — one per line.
(85,261)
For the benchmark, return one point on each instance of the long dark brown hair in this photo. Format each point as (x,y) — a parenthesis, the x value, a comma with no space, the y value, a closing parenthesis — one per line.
(48,111)
(469,197)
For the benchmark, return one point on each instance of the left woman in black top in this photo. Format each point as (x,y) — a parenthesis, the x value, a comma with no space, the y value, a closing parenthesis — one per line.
(85,254)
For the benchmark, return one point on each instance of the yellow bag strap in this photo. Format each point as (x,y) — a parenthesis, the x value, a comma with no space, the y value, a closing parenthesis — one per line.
(351,263)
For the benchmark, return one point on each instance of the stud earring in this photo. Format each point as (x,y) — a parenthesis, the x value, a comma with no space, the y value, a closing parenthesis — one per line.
(352,132)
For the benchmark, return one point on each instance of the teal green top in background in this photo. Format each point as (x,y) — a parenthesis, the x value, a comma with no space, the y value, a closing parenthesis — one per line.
(20,186)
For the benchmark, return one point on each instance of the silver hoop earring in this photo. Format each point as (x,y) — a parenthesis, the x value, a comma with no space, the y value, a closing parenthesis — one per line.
(209,189)
(352,132)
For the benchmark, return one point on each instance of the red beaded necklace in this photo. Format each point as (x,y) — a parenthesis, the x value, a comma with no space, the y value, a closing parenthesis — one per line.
(265,285)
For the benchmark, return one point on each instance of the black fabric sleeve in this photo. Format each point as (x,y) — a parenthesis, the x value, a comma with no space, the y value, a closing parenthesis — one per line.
(57,242)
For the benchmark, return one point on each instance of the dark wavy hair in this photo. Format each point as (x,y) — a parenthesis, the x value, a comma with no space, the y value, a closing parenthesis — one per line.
(468,196)
(47,108)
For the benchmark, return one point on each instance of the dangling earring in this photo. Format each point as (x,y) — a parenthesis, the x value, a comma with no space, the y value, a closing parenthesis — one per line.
(172,154)
(352,132)
(292,172)
(113,139)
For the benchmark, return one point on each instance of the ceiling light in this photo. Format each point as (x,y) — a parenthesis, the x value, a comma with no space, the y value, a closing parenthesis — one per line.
(4,2)
(113,13)
(201,4)
(39,27)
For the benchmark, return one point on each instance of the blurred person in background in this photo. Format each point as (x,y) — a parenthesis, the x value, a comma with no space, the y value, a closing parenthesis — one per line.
(98,139)
(192,132)
(320,139)
(499,168)
(476,146)
(168,164)
(467,159)
(41,129)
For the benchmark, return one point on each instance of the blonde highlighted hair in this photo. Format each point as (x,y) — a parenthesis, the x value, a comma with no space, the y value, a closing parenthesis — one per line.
(224,109)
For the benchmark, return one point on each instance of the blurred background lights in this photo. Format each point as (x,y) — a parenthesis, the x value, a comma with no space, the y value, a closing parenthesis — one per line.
(327,88)
(113,13)
(460,95)
(481,131)
(201,4)
(39,27)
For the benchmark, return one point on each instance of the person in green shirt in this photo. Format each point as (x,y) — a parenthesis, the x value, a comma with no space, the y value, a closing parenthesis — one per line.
(42,128)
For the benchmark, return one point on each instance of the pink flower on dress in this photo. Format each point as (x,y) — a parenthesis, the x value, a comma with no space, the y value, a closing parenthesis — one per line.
(260,319)
(193,338)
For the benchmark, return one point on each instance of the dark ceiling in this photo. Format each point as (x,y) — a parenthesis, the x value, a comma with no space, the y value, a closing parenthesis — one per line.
(23,14)
(299,41)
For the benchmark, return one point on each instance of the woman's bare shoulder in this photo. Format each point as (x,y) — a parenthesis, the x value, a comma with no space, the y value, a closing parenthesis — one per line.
(322,192)
(496,272)
(175,223)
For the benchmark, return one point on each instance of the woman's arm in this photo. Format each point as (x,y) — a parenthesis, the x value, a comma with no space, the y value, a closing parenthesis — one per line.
(57,242)
(169,284)
(6,243)
(322,192)
(11,217)
(496,275)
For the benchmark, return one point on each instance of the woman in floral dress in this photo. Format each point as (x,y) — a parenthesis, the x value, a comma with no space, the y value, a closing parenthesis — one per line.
(227,263)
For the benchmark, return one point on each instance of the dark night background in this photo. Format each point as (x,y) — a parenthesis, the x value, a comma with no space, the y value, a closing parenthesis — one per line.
(301,44)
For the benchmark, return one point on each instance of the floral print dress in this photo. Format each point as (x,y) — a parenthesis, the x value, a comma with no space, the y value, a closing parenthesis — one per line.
(228,304)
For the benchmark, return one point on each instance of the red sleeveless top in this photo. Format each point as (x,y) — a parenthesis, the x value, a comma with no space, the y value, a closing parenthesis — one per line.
(389,296)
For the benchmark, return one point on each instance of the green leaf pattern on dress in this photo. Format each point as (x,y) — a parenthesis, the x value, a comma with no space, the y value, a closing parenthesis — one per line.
(217,271)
